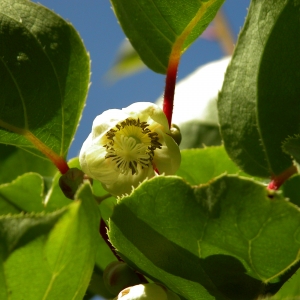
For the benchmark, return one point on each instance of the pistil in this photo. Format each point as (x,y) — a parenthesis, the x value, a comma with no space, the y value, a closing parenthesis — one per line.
(131,144)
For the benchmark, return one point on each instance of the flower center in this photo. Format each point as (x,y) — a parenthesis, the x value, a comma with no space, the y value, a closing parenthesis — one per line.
(131,143)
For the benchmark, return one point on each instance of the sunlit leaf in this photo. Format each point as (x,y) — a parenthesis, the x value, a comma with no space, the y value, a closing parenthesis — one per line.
(228,239)
(199,166)
(163,28)
(24,194)
(57,255)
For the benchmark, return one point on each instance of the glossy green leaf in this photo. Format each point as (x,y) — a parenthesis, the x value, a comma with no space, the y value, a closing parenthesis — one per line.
(44,70)
(24,194)
(199,166)
(15,162)
(259,105)
(228,239)
(25,234)
(155,28)
(54,262)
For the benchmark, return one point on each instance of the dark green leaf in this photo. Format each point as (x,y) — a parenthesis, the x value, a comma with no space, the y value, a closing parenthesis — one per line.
(223,240)
(291,189)
(54,261)
(197,134)
(259,105)
(44,71)
(290,290)
(155,28)
(292,146)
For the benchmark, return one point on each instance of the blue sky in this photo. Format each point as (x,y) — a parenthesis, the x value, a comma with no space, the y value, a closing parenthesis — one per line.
(102,36)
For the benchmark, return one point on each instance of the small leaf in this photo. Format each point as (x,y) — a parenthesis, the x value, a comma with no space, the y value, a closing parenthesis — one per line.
(24,194)
(161,29)
(261,82)
(44,70)
(63,257)
(223,240)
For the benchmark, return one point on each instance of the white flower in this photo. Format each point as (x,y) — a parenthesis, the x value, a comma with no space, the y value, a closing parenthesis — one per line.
(196,95)
(149,291)
(127,146)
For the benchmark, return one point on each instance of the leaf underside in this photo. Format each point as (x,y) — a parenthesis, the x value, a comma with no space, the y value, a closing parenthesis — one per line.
(154,28)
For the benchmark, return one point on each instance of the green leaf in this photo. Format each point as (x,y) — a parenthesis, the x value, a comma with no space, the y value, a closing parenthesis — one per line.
(224,240)
(290,290)
(199,166)
(15,162)
(21,232)
(291,146)
(197,134)
(291,189)
(24,194)
(44,70)
(156,28)
(63,257)
(259,103)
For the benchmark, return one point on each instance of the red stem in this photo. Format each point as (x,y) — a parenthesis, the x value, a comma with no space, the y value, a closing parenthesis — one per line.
(61,165)
(170,89)
(277,181)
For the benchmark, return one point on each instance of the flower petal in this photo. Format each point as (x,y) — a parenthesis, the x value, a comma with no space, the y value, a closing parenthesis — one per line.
(147,110)
(125,183)
(94,164)
(107,120)
(167,159)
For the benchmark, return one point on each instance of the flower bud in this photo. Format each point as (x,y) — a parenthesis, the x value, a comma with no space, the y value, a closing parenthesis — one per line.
(176,134)
(70,181)
(149,291)
(118,276)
